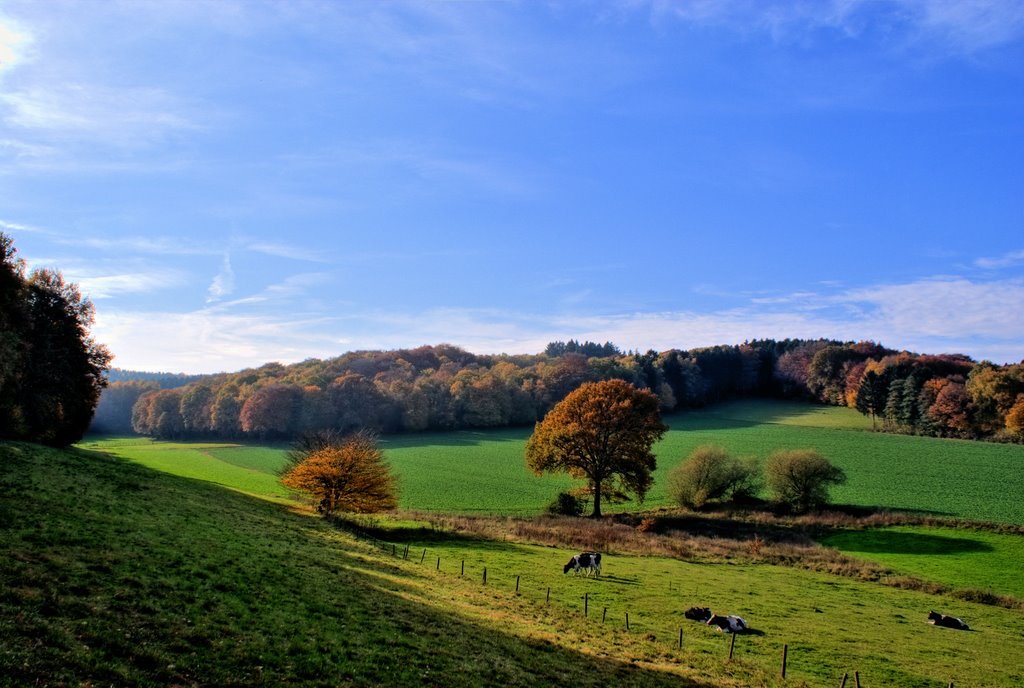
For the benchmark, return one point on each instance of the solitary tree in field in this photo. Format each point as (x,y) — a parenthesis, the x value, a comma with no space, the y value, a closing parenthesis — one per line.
(603,432)
(347,475)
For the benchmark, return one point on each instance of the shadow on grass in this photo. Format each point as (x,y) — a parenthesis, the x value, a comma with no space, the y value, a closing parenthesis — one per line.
(208,567)
(895,542)
(455,438)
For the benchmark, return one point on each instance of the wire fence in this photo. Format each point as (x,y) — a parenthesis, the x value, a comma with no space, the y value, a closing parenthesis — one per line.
(618,618)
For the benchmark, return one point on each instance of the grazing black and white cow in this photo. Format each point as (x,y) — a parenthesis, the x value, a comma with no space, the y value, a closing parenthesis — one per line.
(586,562)
(728,624)
(698,613)
(947,621)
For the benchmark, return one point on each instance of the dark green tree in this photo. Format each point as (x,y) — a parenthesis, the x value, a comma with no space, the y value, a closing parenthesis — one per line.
(872,395)
(51,370)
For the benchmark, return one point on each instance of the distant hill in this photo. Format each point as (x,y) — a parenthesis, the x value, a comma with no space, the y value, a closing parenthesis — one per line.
(163,380)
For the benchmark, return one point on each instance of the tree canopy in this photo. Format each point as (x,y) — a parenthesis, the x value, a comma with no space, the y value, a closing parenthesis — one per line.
(51,370)
(347,475)
(603,432)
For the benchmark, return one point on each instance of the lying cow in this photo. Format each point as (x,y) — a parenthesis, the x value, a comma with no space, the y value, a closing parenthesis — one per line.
(698,613)
(586,562)
(947,621)
(728,624)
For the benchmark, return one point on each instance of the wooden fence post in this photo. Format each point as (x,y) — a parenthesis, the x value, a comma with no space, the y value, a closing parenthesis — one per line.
(586,604)
(394,550)
(439,563)
(856,678)
(517,583)
(843,684)
(680,638)
(627,621)
(547,600)
(785,654)
(485,575)
(463,572)
(604,614)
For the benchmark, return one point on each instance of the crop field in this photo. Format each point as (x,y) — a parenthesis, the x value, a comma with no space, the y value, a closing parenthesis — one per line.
(485,472)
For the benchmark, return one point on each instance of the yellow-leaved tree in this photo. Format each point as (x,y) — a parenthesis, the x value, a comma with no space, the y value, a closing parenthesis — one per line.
(348,474)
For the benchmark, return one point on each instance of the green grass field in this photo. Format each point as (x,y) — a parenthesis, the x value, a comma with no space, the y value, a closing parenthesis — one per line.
(484,472)
(116,573)
(958,558)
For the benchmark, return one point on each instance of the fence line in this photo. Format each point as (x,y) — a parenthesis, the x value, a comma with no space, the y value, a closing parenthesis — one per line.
(383,547)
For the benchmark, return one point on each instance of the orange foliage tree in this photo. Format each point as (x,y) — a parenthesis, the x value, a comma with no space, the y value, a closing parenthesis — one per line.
(602,432)
(349,475)
(1015,417)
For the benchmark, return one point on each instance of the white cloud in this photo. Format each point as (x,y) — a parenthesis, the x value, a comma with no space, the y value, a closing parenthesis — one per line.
(17,227)
(940,315)
(106,286)
(207,341)
(119,116)
(1004,261)
(223,283)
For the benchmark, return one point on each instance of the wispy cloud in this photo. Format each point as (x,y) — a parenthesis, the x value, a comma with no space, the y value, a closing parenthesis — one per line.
(941,315)
(99,287)
(17,227)
(954,26)
(1006,260)
(119,116)
(290,251)
(223,283)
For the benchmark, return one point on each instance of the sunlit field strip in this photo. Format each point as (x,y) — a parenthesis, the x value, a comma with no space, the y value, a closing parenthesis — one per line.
(958,558)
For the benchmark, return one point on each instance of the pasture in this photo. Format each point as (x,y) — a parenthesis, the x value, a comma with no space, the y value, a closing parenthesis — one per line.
(484,473)
(116,573)
(830,625)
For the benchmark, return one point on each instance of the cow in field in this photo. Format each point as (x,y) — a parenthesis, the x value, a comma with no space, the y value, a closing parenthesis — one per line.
(698,613)
(947,621)
(586,562)
(728,624)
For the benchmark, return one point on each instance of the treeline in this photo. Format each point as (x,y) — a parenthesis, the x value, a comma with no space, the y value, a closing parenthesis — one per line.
(444,387)
(51,370)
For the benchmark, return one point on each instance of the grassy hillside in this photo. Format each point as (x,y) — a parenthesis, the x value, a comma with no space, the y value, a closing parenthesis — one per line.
(113,573)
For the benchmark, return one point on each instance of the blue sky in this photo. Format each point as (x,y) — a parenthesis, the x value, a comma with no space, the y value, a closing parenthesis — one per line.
(240,182)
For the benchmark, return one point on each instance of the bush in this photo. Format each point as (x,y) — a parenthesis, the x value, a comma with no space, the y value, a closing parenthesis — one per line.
(566,504)
(345,475)
(799,479)
(710,473)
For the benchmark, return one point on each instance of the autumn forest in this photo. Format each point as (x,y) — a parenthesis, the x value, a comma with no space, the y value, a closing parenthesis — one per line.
(444,387)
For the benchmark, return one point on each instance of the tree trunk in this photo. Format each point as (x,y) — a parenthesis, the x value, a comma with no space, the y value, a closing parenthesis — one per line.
(597,501)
